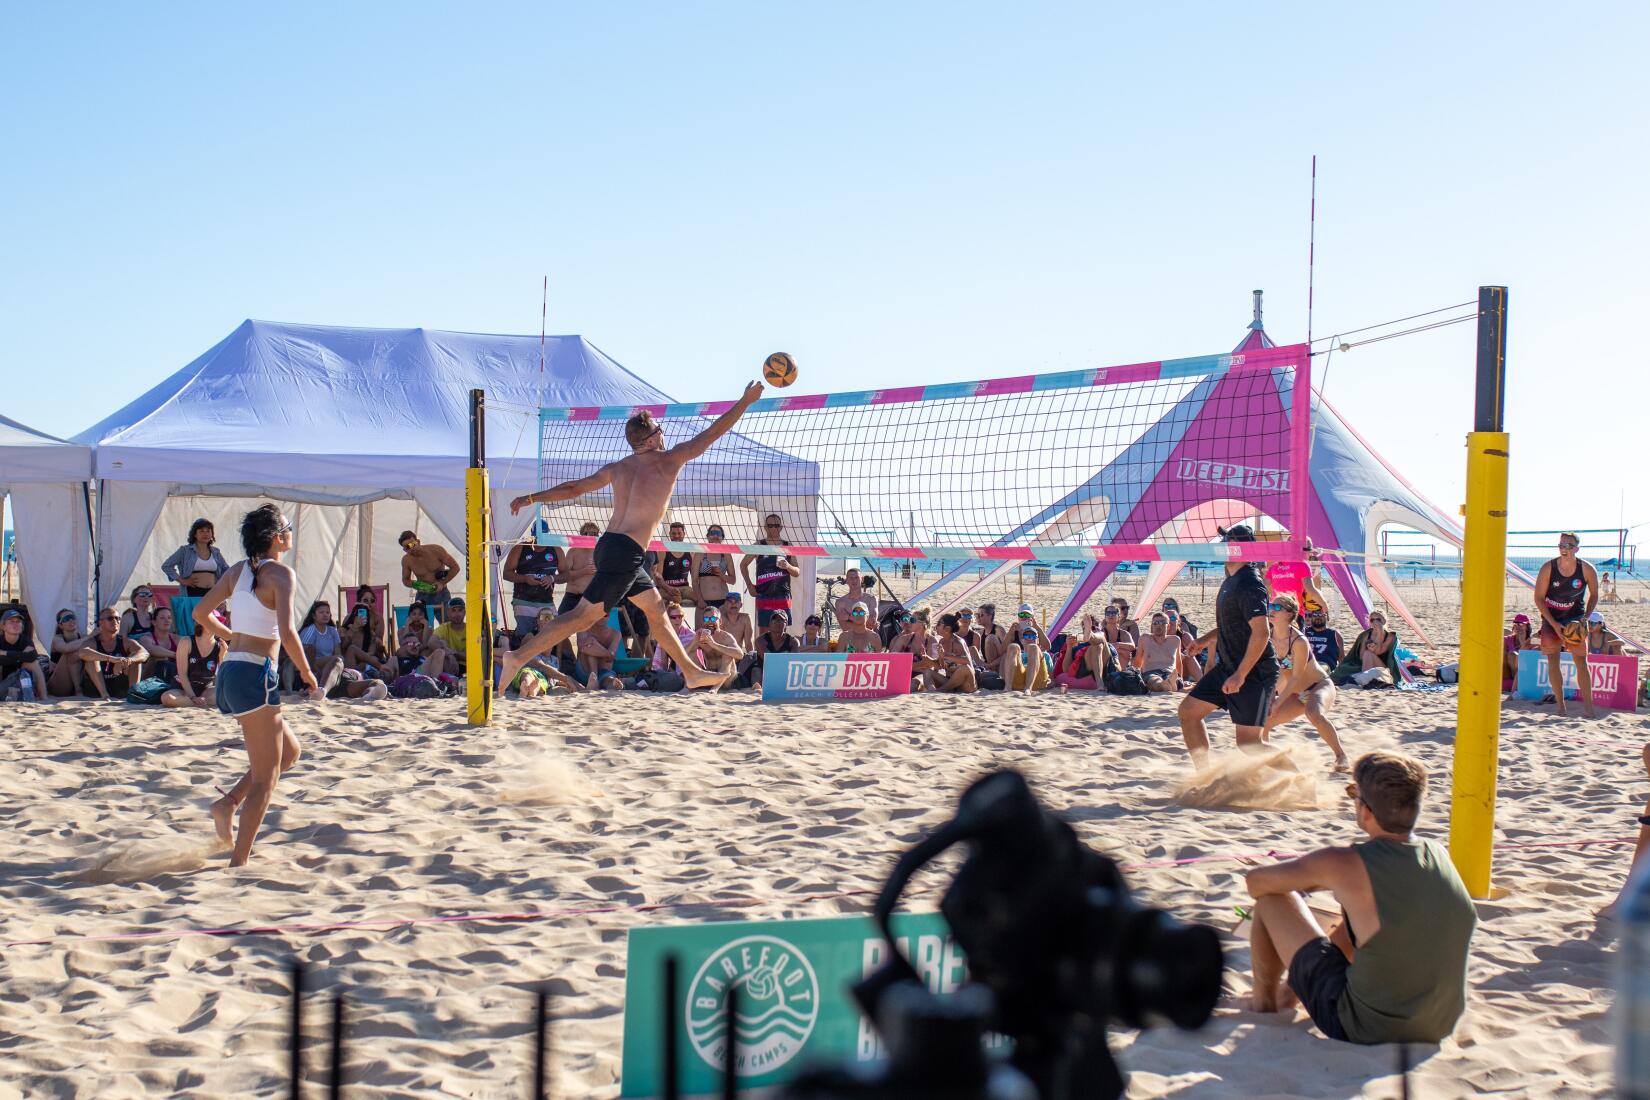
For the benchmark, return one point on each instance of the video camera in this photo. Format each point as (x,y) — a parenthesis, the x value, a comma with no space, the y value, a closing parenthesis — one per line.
(1057,948)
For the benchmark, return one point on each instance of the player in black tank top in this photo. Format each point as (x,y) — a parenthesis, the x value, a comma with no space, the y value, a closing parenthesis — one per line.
(1564,600)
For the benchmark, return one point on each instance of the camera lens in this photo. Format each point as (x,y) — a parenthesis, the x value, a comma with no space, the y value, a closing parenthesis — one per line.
(1166,970)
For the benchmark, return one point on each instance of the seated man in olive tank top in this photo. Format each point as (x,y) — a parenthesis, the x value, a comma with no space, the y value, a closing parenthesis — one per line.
(1393,968)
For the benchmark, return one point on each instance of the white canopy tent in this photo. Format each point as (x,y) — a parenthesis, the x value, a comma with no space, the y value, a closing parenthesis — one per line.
(45,477)
(366,433)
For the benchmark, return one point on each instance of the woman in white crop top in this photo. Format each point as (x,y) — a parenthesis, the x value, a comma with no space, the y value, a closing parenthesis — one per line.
(259,593)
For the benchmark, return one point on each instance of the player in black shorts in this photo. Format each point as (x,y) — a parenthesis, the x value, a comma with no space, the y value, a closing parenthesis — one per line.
(1241,677)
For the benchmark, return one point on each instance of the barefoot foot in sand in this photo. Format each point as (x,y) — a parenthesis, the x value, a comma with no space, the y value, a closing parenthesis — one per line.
(704,678)
(223,812)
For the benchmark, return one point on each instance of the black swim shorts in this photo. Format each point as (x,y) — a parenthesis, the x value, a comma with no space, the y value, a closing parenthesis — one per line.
(621,571)
(1317,974)
(1249,707)
(569,600)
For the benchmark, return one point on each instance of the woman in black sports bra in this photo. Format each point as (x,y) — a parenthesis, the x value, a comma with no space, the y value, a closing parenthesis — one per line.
(198,669)
(675,574)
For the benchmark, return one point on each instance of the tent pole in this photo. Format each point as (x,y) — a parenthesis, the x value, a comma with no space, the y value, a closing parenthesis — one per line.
(1483,593)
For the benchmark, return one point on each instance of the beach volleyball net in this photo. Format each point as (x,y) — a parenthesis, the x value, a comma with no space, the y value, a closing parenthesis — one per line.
(1134,462)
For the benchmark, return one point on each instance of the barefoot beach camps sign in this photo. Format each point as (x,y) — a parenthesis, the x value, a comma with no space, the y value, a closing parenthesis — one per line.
(795,677)
(794,1008)
(1615,679)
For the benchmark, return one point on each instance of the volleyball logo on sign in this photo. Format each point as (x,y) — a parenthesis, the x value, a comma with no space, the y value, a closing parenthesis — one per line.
(1231,473)
(778,1004)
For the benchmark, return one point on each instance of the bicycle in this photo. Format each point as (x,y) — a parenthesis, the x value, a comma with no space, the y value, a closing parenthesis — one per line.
(827,609)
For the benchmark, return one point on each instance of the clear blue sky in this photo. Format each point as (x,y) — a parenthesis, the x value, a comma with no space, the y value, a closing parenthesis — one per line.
(921,191)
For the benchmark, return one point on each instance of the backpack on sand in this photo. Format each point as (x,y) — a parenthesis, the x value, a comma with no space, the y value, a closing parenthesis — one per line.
(414,685)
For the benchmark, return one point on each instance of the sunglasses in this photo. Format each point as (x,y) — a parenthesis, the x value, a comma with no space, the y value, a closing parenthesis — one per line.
(1274,607)
(773,526)
(1568,545)
(65,618)
(1111,612)
(286,526)
(965,614)
(713,533)
(906,619)
(1023,615)
(712,619)
(1160,622)
(859,613)
(141,595)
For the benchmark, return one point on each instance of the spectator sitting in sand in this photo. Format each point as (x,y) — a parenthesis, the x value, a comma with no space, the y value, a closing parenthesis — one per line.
(1394,967)
(1084,662)
(1118,636)
(1373,659)
(450,635)
(718,648)
(857,637)
(1607,590)
(426,567)
(599,645)
(952,668)
(362,650)
(68,675)
(112,659)
(1158,656)
(196,679)
(812,640)
(411,656)
(162,644)
(923,647)
(1514,642)
(737,621)
(1600,639)
(19,660)
(139,619)
(773,640)
(1023,668)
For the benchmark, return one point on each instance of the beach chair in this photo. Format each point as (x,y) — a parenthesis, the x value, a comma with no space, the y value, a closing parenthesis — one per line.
(165,593)
(624,666)
(183,615)
(346,601)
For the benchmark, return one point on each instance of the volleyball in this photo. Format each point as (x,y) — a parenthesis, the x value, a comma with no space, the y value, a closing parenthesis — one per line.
(779,369)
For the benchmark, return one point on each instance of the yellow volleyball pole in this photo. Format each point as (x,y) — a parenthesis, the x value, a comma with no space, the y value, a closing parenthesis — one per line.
(1483,588)
(478,540)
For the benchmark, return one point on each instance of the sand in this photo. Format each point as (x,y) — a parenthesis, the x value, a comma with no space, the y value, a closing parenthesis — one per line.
(399,810)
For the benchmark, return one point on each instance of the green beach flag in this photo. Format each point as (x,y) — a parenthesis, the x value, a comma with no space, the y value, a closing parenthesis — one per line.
(795,1009)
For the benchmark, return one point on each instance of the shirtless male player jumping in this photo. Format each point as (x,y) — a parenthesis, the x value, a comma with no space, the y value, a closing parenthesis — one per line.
(642,483)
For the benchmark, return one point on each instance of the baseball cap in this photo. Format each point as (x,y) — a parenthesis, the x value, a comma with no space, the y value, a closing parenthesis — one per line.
(1521,618)
(1025,609)
(1238,532)
(10,614)
(456,601)
(736,597)
(781,616)
(1595,617)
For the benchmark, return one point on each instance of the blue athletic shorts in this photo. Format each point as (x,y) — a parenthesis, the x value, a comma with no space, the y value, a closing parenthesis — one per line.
(244,686)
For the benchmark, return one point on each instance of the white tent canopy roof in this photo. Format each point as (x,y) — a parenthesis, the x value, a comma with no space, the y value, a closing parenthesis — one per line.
(279,404)
(30,456)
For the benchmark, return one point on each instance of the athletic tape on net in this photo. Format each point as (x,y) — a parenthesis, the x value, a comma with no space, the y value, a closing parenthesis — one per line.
(534,915)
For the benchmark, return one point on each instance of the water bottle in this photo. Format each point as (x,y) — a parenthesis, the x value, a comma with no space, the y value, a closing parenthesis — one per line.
(1633,987)
(28,689)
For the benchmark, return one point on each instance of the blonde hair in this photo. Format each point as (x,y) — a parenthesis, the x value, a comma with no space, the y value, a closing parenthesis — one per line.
(1286,602)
